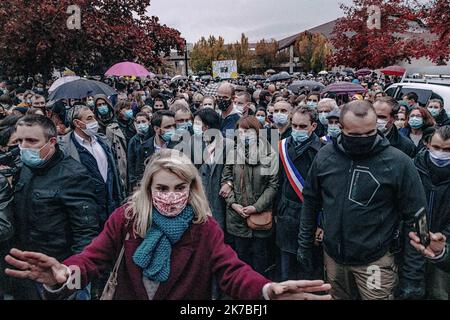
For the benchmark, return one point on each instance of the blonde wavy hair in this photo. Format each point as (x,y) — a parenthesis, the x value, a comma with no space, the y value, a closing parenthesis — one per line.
(139,205)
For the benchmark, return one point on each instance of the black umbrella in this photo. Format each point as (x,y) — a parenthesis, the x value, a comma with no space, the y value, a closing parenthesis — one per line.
(308,84)
(280,77)
(256,77)
(80,89)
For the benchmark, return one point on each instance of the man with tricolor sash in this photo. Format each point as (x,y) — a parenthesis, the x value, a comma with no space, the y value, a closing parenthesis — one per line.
(297,152)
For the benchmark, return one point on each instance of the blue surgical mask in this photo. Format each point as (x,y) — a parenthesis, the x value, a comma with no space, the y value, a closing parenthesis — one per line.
(440,158)
(103,110)
(334,130)
(300,135)
(261,119)
(198,130)
(415,122)
(434,112)
(280,119)
(323,118)
(181,127)
(142,128)
(167,136)
(312,105)
(249,140)
(32,157)
(129,114)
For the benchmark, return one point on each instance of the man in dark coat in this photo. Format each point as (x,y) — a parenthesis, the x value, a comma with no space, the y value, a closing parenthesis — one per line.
(91,150)
(436,108)
(364,187)
(54,199)
(301,151)
(386,108)
(434,170)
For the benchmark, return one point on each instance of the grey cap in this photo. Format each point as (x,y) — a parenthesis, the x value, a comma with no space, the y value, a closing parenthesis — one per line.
(334,114)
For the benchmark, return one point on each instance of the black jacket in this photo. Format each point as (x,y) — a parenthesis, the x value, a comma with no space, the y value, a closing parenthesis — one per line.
(6,223)
(442,119)
(139,149)
(362,201)
(436,182)
(402,143)
(55,208)
(138,152)
(289,205)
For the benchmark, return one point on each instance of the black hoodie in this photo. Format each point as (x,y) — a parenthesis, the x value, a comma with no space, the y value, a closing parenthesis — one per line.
(436,182)
(362,201)
(442,119)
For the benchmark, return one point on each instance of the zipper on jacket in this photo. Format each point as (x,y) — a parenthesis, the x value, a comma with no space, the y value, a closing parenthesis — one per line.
(430,209)
(341,247)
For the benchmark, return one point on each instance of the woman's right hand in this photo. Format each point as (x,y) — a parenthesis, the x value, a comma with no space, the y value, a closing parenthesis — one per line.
(37,267)
(239,209)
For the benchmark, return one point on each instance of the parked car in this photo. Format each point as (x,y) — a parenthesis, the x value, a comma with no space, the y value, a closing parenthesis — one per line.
(428,83)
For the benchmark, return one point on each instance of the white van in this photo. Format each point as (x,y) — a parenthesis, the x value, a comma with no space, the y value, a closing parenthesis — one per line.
(428,83)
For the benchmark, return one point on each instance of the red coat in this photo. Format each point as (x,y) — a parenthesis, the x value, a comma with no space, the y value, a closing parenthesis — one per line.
(198,255)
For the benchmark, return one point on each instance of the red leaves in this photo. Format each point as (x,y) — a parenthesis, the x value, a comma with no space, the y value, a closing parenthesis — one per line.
(35,33)
(358,46)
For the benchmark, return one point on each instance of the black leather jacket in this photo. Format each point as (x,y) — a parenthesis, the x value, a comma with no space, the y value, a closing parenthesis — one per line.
(6,225)
(55,208)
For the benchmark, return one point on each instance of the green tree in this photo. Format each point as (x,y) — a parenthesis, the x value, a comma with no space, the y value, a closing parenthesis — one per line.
(313,50)
(266,54)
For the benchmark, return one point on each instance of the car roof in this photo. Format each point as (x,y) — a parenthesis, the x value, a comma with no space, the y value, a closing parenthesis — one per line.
(422,86)
(443,91)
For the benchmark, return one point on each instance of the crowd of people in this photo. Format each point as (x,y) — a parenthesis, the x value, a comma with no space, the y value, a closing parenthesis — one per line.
(217,190)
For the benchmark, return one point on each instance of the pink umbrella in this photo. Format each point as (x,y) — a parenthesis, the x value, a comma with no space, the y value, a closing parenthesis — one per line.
(394,71)
(126,68)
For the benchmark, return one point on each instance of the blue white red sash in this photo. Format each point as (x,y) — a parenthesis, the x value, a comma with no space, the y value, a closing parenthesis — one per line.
(295,178)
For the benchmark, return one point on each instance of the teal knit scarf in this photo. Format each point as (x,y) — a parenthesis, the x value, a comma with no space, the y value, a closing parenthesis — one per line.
(153,255)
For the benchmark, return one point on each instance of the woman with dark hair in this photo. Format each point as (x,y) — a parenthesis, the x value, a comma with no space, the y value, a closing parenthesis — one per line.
(159,103)
(249,187)
(416,125)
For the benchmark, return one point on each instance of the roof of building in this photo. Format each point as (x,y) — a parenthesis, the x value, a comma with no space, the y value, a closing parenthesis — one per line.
(326,29)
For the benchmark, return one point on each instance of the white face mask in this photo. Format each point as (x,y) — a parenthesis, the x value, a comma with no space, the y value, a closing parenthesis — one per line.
(91,129)
(381,125)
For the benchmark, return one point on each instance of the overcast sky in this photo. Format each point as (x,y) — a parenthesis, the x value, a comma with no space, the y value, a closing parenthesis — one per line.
(256,18)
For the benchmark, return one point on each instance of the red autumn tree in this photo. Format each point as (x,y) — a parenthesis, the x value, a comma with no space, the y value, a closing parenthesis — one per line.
(436,15)
(359,44)
(35,37)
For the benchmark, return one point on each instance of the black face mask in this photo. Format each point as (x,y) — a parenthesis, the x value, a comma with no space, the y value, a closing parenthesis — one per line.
(358,146)
(223,104)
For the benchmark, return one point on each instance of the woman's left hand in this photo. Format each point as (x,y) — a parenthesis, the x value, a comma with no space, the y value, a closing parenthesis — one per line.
(298,290)
(249,210)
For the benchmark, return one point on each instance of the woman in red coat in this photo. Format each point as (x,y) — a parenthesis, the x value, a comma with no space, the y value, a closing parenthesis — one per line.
(175,258)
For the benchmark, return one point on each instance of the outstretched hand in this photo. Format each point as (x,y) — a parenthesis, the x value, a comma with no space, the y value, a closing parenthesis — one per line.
(37,267)
(299,290)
